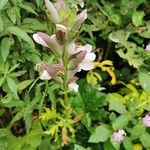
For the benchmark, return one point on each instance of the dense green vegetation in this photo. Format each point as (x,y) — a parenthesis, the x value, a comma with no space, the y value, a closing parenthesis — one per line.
(74,75)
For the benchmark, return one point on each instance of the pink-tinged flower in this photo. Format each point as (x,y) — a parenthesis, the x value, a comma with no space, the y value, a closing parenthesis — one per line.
(45,75)
(118,136)
(73,87)
(52,12)
(73,48)
(146,120)
(148,47)
(48,41)
(37,38)
(60,5)
(87,63)
(82,16)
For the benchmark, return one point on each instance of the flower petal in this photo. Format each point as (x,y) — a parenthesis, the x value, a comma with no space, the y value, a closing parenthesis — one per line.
(39,40)
(90,57)
(45,75)
(85,66)
(73,87)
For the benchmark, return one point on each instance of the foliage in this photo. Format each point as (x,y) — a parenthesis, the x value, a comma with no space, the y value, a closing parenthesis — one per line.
(114,95)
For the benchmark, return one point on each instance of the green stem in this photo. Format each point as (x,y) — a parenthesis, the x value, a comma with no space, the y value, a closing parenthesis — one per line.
(65,86)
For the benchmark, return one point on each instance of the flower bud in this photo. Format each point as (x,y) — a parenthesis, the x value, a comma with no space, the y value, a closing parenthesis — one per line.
(82,16)
(60,5)
(48,41)
(54,71)
(52,12)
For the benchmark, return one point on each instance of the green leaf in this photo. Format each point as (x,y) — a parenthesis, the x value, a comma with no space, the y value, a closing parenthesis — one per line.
(28,8)
(120,122)
(101,134)
(13,68)
(5,47)
(12,86)
(115,104)
(137,18)
(119,36)
(2,3)
(24,84)
(144,78)
(144,138)
(137,131)
(20,34)
(115,144)
(127,143)
(2,79)
(108,145)
(11,12)
(1,24)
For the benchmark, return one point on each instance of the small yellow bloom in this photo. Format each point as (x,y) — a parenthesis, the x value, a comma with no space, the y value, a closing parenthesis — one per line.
(137,147)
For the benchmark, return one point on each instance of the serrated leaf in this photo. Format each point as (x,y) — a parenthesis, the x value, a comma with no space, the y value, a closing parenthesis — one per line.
(101,134)
(5,47)
(21,34)
(2,3)
(12,86)
(24,84)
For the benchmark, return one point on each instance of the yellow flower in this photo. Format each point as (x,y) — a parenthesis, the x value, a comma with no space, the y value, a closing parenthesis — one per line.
(137,147)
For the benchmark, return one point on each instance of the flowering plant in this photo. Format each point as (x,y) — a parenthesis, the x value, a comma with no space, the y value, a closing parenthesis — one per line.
(71,57)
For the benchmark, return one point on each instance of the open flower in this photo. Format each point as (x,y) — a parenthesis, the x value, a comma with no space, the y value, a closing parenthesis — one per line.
(146,120)
(87,63)
(118,136)
(73,87)
(45,75)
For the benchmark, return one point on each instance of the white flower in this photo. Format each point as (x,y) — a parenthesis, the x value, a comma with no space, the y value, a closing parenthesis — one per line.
(73,48)
(61,28)
(39,40)
(73,87)
(45,76)
(86,63)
